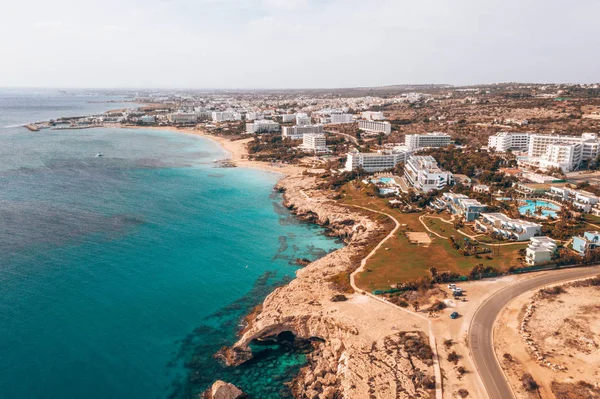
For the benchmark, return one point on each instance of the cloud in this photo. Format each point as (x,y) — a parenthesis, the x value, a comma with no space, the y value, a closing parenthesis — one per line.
(53,25)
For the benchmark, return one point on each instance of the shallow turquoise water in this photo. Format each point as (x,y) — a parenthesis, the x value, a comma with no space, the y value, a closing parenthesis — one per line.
(121,276)
(533,205)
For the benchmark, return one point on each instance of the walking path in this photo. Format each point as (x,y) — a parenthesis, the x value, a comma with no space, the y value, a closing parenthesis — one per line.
(436,365)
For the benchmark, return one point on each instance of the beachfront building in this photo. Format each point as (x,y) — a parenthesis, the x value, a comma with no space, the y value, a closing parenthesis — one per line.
(505,141)
(303,120)
(341,118)
(296,132)
(314,142)
(435,139)
(424,174)
(182,118)
(148,119)
(262,126)
(589,241)
(540,250)
(226,116)
(376,161)
(373,115)
(460,204)
(582,200)
(375,127)
(506,227)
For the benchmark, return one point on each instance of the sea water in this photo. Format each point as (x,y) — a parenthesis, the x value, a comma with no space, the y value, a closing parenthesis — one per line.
(122,275)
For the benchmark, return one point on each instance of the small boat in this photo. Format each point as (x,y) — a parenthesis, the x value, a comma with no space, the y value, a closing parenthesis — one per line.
(99,154)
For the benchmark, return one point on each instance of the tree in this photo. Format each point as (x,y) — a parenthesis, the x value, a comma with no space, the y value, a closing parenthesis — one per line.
(415,306)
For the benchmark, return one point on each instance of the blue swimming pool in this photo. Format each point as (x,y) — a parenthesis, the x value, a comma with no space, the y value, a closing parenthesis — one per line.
(548,208)
(386,180)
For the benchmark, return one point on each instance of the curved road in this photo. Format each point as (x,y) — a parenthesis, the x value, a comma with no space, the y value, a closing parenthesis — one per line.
(482,326)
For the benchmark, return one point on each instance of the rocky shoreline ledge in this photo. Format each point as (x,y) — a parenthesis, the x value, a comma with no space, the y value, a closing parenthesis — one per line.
(362,348)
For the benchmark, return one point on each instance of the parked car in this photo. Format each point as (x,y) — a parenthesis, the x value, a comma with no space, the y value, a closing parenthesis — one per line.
(454,315)
(456,293)
(451,286)
(457,289)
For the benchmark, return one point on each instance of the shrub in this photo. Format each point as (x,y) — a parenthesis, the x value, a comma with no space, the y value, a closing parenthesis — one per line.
(448,343)
(529,383)
(339,298)
(463,393)
(453,357)
(461,370)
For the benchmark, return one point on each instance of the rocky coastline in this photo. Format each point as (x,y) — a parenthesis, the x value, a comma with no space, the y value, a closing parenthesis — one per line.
(352,358)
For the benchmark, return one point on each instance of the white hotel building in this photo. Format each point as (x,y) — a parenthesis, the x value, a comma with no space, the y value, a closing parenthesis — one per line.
(435,139)
(565,152)
(504,141)
(375,127)
(262,126)
(540,250)
(341,118)
(315,142)
(424,174)
(296,132)
(376,161)
(515,229)
(373,115)
(225,116)
(303,120)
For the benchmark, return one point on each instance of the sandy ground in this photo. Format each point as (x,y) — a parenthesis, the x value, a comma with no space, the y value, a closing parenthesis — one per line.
(566,328)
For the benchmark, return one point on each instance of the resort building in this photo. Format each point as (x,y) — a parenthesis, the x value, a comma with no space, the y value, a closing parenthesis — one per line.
(424,174)
(582,200)
(341,118)
(566,156)
(226,116)
(296,132)
(303,120)
(252,116)
(148,119)
(565,152)
(504,141)
(182,118)
(262,126)
(540,250)
(460,204)
(373,115)
(375,127)
(376,161)
(314,142)
(435,139)
(589,241)
(510,229)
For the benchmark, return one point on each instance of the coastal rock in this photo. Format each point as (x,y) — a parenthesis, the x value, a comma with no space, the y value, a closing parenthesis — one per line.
(358,353)
(223,390)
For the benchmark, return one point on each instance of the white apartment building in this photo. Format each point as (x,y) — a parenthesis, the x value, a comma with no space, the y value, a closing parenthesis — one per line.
(504,141)
(296,132)
(566,156)
(376,161)
(314,142)
(252,116)
(303,120)
(540,250)
(148,119)
(182,117)
(287,118)
(435,139)
(538,144)
(506,227)
(262,126)
(582,200)
(225,116)
(373,115)
(341,118)
(424,174)
(375,127)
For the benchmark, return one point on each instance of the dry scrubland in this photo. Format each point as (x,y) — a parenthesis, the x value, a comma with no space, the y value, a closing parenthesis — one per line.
(564,329)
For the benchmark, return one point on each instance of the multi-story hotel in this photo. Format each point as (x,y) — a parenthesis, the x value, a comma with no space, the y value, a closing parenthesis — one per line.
(424,174)
(341,118)
(540,250)
(566,156)
(375,127)
(182,117)
(224,116)
(504,141)
(303,120)
(262,126)
(376,161)
(315,142)
(435,139)
(296,132)
(373,115)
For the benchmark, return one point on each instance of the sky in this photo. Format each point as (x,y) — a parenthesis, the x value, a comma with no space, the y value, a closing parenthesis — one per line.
(214,44)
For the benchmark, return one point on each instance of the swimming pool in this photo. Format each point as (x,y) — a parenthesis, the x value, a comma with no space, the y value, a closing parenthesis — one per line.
(386,180)
(549,209)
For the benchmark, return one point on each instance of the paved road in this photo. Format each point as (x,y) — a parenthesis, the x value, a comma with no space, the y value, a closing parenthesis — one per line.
(481,329)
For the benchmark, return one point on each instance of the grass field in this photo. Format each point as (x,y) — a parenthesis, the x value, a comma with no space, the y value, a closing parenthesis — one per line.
(399,260)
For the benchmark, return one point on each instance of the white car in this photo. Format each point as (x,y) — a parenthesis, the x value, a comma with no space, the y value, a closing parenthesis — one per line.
(457,289)
(451,286)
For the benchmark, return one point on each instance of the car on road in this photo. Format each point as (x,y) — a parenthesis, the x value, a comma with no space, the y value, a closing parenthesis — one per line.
(454,315)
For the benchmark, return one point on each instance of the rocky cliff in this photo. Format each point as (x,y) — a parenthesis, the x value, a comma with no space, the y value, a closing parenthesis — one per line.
(357,355)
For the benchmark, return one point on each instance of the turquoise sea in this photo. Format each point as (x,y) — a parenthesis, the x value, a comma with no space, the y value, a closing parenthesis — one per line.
(121,275)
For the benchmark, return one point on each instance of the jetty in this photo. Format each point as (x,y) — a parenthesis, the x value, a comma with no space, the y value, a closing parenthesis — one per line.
(33,128)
